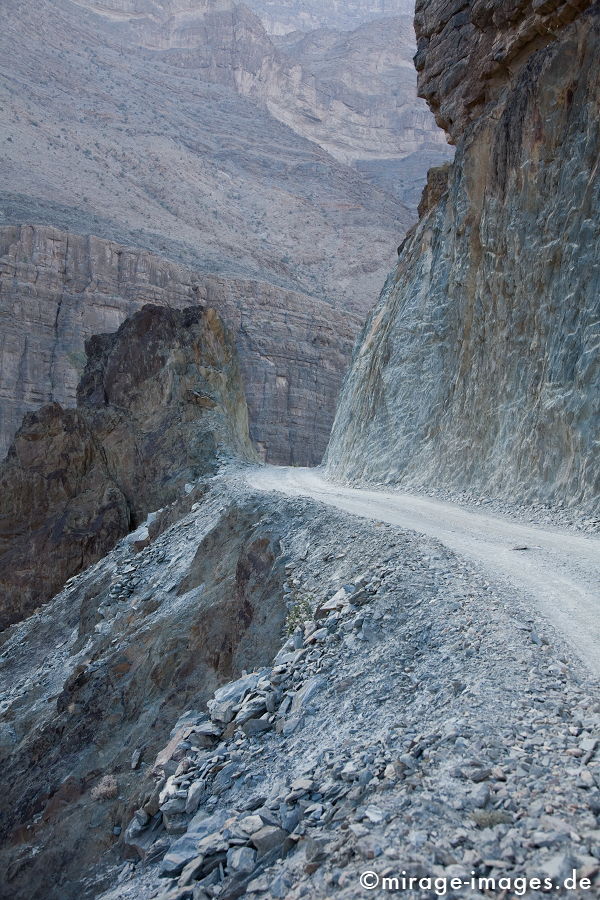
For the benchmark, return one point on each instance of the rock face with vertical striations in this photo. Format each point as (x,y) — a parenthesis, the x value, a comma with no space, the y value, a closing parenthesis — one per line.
(160,402)
(480,366)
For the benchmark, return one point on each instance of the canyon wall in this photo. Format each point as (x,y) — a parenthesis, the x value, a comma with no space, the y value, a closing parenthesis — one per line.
(58,288)
(480,367)
(201,156)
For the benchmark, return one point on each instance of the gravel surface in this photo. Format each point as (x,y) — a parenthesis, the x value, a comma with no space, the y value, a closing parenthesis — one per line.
(558,572)
(417,719)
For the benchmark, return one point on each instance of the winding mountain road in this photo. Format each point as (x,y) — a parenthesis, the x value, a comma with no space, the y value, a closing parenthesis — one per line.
(559,572)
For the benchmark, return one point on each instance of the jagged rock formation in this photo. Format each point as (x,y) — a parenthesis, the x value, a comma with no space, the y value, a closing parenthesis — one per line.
(159,402)
(479,367)
(156,125)
(57,289)
(469,52)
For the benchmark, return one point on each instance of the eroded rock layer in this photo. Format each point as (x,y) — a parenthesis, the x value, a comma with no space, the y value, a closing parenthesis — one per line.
(59,288)
(479,368)
(158,403)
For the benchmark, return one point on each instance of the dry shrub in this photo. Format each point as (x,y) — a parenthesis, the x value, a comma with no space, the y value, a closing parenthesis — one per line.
(106,789)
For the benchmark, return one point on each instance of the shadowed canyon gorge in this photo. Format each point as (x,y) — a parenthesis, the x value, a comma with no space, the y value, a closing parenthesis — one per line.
(224,674)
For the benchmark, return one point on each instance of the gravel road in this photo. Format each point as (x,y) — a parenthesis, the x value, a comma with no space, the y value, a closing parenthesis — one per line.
(556,571)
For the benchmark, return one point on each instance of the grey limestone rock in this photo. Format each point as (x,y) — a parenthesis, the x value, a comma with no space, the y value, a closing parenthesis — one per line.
(479,368)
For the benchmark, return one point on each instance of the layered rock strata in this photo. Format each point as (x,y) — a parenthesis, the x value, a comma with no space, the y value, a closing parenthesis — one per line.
(59,288)
(278,175)
(479,368)
(159,403)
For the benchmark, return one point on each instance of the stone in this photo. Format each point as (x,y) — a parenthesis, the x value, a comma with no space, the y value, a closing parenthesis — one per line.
(251,710)
(304,695)
(374,815)
(251,824)
(241,859)
(256,726)
(235,691)
(195,794)
(268,838)
(185,849)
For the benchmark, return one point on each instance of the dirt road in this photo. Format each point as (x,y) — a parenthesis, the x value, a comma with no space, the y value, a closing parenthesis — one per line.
(559,572)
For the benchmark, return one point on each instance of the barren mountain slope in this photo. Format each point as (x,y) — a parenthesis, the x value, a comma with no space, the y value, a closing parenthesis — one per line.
(284,16)
(107,131)
(417,718)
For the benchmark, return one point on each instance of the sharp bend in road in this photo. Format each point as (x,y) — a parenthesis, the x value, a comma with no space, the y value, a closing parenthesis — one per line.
(559,572)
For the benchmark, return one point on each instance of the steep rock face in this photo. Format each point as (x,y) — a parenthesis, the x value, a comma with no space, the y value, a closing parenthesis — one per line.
(479,368)
(470,51)
(357,94)
(59,288)
(158,402)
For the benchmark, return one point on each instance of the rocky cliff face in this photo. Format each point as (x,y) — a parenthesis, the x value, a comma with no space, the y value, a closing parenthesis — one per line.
(356,98)
(159,403)
(59,288)
(479,368)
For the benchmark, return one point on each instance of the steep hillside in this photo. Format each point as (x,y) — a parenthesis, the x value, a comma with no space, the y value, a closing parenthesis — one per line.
(275,697)
(479,368)
(180,128)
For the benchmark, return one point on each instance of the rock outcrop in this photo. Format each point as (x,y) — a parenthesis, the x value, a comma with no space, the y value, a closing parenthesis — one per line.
(479,368)
(471,53)
(59,288)
(159,405)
